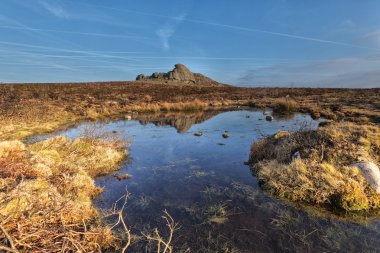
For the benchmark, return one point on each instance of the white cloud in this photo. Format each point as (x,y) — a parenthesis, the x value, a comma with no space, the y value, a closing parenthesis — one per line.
(54,7)
(168,30)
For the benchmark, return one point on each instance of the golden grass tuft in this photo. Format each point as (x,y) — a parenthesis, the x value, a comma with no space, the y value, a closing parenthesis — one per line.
(95,157)
(322,176)
(285,105)
(46,192)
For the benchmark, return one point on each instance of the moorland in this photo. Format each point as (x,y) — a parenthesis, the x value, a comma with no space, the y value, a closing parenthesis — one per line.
(47,187)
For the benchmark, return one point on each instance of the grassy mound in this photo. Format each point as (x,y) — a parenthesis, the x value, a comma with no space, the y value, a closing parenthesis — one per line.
(285,105)
(46,192)
(322,175)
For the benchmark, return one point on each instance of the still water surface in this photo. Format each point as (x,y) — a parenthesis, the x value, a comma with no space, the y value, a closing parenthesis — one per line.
(205,185)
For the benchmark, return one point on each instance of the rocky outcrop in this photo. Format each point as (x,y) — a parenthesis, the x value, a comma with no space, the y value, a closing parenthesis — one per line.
(180,74)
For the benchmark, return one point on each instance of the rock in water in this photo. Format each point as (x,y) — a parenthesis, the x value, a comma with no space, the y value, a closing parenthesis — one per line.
(370,172)
(269,118)
(122,177)
(225,135)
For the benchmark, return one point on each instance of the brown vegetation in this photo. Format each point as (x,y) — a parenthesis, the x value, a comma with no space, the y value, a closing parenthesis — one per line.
(46,192)
(46,188)
(322,174)
(27,109)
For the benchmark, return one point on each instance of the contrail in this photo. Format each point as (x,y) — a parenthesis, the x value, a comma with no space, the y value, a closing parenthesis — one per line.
(66,50)
(247,29)
(74,32)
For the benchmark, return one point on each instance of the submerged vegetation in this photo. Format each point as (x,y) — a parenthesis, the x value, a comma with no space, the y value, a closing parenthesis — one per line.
(313,166)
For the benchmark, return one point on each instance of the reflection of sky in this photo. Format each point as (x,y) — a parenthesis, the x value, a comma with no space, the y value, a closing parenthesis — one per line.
(156,148)
(164,166)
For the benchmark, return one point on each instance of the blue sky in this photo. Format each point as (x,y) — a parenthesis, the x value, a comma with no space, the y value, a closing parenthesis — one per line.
(247,43)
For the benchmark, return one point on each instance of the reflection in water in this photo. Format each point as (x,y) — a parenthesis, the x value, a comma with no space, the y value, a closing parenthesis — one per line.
(205,186)
(284,116)
(179,120)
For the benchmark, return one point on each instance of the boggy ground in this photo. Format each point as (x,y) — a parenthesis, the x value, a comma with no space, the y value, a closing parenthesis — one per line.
(321,173)
(46,188)
(27,109)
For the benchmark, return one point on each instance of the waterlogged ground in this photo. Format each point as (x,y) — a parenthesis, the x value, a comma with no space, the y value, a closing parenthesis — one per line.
(205,185)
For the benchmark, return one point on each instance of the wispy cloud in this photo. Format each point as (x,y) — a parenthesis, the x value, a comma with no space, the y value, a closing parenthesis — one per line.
(55,7)
(343,72)
(373,36)
(75,32)
(55,50)
(247,29)
(168,29)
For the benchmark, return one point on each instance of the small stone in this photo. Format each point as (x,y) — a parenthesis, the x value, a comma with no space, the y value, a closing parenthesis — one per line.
(296,156)
(225,135)
(370,172)
(269,118)
(198,134)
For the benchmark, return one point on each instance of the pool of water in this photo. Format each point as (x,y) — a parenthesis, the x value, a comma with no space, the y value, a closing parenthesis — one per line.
(206,187)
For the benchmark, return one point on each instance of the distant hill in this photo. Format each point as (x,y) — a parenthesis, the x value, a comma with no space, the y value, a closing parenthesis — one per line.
(180,74)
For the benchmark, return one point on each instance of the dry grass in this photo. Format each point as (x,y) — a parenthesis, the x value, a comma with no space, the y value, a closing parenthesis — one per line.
(46,192)
(46,189)
(285,105)
(28,109)
(322,176)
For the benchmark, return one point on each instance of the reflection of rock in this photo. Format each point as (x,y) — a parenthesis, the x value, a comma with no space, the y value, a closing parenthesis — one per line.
(179,120)
(284,116)
(370,172)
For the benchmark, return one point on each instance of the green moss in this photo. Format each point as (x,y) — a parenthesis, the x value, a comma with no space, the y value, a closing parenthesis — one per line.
(352,198)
